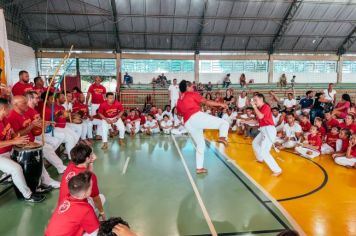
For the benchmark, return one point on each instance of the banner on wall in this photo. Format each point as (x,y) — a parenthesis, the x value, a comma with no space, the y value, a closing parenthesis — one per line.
(5,68)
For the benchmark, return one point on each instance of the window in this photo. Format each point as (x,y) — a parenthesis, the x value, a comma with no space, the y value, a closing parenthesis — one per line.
(230,66)
(156,66)
(304,66)
(349,67)
(102,67)
(47,66)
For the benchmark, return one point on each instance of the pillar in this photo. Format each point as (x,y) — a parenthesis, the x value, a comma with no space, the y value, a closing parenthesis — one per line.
(196,67)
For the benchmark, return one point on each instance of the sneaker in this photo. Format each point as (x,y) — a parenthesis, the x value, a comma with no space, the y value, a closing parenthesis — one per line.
(43,189)
(35,198)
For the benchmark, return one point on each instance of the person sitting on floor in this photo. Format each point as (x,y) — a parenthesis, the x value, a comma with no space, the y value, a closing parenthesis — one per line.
(318,122)
(311,146)
(230,117)
(74,215)
(292,132)
(133,123)
(329,147)
(83,159)
(330,121)
(166,124)
(151,125)
(305,123)
(278,118)
(115,226)
(178,127)
(350,159)
(159,115)
(342,143)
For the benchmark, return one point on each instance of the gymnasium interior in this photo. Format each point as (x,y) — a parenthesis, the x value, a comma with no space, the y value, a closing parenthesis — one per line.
(231,52)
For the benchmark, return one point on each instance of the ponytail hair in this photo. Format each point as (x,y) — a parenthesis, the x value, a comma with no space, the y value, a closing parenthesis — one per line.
(183,85)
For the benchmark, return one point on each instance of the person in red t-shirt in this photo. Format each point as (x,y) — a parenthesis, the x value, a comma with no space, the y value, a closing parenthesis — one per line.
(133,122)
(349,123)
(311,147)
(264,140)
(79,107)
(330,121)
(111,111)
(7,141)
(23,86)
(318,122)
(82,160)
(305,123)
(39,85)
(341,109)
(22,124)
(60,129)
(329,146)
(342,143)
(350,159)
(188,106)
(96,94)
(74,216)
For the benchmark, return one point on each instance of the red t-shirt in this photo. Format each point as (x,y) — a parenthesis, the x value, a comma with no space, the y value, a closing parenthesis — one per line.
(133,118)
(34,115)
(6,132)
(21,88)
(72,217)
(80,107)
(346,104)
(39,90)
(267,119)
(305,126)
(315,141)
(110,111)
(322,131)
(19,122)
(143,119)
(332,123)
(73,170)
(353,151)
(345,144)
(61,120)
(97,93)
(189,104)
(331,139)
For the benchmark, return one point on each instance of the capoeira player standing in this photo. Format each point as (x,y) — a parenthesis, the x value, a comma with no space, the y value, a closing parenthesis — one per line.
(196,121)
(264,140)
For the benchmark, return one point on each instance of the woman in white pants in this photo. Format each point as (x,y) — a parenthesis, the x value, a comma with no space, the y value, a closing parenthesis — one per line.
(264,140)
(188,106)
(350,159)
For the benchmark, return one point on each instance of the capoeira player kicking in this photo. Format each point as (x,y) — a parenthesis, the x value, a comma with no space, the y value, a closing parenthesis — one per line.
(264,140)
(195,121)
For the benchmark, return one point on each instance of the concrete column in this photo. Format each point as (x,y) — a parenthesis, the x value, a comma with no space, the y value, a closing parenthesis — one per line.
(339,70)
(270,70)
(118,72)
(196,67)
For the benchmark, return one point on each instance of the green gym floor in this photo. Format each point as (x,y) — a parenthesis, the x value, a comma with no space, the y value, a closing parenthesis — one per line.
(145,182)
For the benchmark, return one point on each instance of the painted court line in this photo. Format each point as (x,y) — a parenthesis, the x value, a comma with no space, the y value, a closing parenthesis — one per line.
(196,191)
(126,165)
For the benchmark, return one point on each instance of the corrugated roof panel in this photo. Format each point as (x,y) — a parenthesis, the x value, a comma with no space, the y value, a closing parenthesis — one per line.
(182,7)
(193,26)
(259,43)
(138,24)
(167,6)
(137,7)
(184,42)
(210,42)
(153,7)
(125,24)
(166,25)
(329,44)
(152,25)
(235,43)
(132,41)
(157,42)
(180,25)
(122,7)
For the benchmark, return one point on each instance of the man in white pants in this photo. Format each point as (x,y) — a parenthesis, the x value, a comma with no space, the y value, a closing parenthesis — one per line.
(60,129)
(350,159)
(6,164)
(173,90)
(264,140)
(111,111)
(95,97)
(188,106)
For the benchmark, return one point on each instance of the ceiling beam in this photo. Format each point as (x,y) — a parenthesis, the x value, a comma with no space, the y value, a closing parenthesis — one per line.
(67,13)
(292,10)
(202,24)
(83,31)
(116,25)
(93,6)
(347,43)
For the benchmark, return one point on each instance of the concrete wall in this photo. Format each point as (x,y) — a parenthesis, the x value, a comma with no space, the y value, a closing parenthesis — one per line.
(308,77)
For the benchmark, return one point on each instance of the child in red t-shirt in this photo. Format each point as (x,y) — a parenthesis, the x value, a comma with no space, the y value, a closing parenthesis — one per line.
(350,159)
(305,123)
(342,143)
(311,146)
(329,146)
(318,122)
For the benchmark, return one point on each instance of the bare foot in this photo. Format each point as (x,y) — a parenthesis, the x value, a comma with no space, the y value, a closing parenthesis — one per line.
(201,171)
(105,146)
(222,140)
(120,141)
(276,174)
(259,161)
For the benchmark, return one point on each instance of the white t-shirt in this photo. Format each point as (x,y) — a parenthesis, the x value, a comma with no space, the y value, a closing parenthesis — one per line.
(229,118)
(241,102)
(289,103)
(159,117)
(276,118)
(291,130)
(330,96)
(68,106)
(150,124)
(165,124)
(174,90)
(168,113)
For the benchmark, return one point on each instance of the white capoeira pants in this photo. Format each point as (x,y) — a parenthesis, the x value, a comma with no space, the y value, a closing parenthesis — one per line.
(77,128)
(71,138)
(196,125)
(11,167)
(99,128)
(327,149)
(304,152)
(287,144)
(338,145)
(50,155)
(93,109)
(344,161)
(174,102)
(91,202)
(105,129)
(262,146)
(129,127)
(54,142)
(178,131)
(153,131)
(167,131)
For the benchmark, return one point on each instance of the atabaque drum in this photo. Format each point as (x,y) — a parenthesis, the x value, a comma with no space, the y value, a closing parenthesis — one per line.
(30,158)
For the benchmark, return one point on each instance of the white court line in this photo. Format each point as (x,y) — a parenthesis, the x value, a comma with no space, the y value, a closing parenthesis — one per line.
(196,191)
(126,165)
